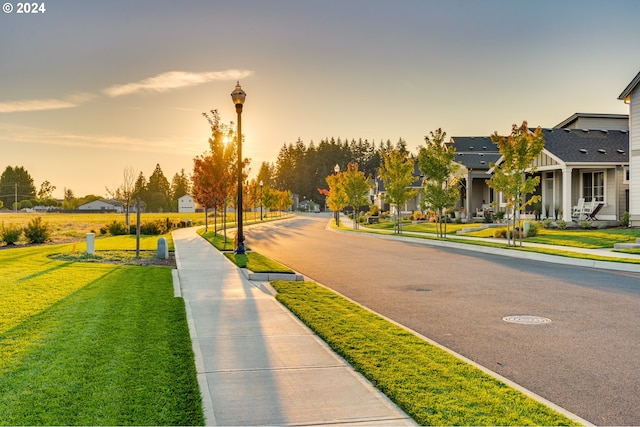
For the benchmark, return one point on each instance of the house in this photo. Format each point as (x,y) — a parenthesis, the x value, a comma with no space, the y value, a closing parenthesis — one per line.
(475,154)
(186,204)
(584,163)
(102,206)
(585,156)
(378,193)
(631,95)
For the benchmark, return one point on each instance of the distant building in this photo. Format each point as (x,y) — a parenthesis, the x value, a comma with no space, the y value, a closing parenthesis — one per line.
(102,206)
(186,204)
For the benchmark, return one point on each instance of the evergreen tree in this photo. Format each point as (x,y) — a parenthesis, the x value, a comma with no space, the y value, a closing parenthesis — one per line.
(158,191)
(16,183)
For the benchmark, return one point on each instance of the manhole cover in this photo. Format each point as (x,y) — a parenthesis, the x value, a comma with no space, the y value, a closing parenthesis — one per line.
(527,320)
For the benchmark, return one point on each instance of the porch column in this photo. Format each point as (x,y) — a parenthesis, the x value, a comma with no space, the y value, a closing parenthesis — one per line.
(566,194)
(468,201)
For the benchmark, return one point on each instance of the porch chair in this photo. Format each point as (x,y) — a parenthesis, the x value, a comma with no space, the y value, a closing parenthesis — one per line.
(577,210)
(591,215)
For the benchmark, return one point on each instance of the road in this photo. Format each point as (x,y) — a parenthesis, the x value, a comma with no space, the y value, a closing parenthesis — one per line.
(585,360)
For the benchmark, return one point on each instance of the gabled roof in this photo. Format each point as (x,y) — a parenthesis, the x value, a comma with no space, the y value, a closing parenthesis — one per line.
(567,122)
(475,152)
(587,146)
(626,93)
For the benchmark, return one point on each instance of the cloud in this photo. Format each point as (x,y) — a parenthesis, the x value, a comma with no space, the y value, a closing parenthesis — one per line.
(35,105)
(174,80)
(45,104)
(18,134)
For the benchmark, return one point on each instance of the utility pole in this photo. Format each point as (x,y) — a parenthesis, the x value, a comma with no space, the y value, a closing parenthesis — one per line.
(15,205)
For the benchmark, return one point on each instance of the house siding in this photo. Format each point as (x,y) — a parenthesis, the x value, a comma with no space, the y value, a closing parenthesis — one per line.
(599,123)
(634,163)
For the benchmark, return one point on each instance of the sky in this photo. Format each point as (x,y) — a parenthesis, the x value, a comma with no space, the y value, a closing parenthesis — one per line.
(89,88)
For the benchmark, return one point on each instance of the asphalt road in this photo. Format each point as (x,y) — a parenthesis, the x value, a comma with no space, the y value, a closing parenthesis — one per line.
(586,360)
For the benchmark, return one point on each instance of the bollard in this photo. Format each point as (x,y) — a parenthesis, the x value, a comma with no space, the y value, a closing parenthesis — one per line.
(91,237)
(163,248)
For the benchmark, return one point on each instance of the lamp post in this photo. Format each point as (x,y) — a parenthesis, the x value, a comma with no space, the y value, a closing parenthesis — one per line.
(336,214)
(238,96)
(261,184)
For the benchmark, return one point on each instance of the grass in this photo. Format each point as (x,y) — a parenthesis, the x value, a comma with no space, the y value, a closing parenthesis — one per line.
(217,240)
(92,344)
(257,263)
(429,384)
(68,227)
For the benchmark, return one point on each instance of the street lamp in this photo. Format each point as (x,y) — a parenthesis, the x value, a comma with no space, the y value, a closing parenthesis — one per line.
(336,214)
(261,184)
(238,96)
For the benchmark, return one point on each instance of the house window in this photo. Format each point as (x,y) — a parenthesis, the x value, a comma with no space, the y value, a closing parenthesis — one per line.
(625,171)
(593,186)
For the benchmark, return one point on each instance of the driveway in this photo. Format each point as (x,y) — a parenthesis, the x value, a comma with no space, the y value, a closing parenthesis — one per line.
(585,359)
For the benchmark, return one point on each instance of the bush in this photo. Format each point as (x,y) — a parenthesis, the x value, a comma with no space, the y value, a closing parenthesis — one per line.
(561,223)
(153,228)
(117,228)
(37,231)
(374,210)
(10,235)
(546,223)
(625,219)
(500,233)
(498,216)
(533,229)
(584,224)
(418,216)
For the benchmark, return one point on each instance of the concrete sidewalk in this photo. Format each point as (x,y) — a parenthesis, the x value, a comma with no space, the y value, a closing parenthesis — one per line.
(258,364)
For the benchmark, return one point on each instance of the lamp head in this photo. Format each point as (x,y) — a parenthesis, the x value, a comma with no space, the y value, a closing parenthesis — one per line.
(238,96)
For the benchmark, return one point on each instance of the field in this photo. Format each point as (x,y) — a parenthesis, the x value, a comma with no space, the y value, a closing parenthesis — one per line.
(68,227)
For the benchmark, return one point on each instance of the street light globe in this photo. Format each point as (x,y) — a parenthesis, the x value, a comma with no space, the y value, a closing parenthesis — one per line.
(238,95)
(336,169)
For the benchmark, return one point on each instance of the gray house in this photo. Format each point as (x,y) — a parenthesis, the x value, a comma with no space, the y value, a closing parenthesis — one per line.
(475,154)
(631,95)
(591,164)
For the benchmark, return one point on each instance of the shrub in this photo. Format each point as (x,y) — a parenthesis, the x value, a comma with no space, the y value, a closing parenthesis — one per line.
(500,233)
(546,223)
(498,216)
(584,224)
(625,219)
(37,231)
(561,223)
(117,228)
(533,229)
(10,235)
(374,210)
(153,228)
(418,216)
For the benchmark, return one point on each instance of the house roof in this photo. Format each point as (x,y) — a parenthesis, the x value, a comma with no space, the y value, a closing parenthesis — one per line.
(475,152)
(626,93)
(567,122)
(587,146)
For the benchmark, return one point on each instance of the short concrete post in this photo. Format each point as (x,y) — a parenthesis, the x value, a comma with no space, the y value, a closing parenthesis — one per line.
(91,237)
(163,248)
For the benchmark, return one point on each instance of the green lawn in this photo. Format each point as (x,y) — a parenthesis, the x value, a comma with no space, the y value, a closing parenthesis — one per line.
(429,384)
(592,239)
(91,343)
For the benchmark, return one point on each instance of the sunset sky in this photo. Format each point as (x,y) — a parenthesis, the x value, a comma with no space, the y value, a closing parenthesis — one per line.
(91,87)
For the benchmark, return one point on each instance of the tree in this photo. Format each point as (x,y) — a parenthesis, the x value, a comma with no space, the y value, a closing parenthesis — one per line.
(440,186)
(513,173)
(396,173)
(16,185)
(356,189)
(46,190)
(336,197)
(158,191)
(125,192)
